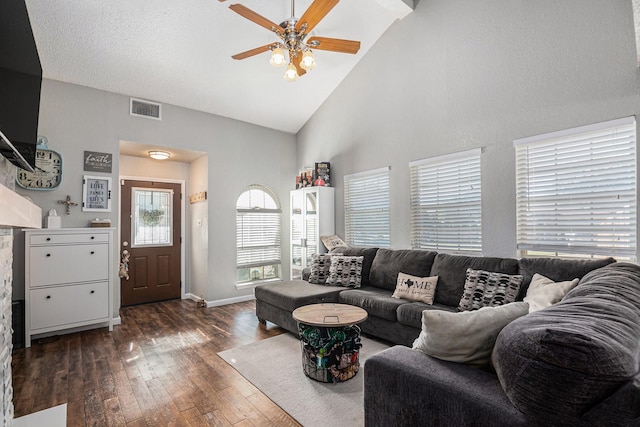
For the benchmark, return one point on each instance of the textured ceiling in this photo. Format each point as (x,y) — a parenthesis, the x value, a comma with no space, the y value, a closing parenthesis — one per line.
(179,52)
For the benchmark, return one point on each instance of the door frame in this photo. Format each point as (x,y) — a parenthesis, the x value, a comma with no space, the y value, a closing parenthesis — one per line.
(183,221)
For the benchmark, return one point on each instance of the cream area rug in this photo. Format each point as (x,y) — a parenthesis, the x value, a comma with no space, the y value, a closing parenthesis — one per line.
(274,366)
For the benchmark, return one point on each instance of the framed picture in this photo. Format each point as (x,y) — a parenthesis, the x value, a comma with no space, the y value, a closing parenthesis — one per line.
(96,194)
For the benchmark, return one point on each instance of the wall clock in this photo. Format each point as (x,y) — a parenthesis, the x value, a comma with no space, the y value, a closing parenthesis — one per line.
(48,169)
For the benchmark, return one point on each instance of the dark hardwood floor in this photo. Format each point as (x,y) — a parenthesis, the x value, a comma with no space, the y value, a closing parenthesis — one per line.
(158,368)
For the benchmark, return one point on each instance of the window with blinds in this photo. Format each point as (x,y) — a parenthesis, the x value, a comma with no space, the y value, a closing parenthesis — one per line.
(366,208)
(576,191)
(446,203)
(258,235)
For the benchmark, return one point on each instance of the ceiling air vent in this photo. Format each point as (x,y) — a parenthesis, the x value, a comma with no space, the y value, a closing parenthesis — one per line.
(148,109)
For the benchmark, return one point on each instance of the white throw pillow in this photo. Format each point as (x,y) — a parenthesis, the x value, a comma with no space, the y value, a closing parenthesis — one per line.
(414,288)
(544,292)
(466,336)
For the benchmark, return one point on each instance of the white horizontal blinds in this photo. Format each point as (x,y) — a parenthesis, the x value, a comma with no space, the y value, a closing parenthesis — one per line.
(576,190)
(446,203)
(366,208)
(258,228)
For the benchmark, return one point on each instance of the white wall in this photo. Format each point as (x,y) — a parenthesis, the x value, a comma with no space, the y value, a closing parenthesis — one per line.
(77,118)
(460,74)
(199,235)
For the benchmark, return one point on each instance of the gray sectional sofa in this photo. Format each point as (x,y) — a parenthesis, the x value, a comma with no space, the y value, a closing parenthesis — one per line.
(576,363)
(396,320)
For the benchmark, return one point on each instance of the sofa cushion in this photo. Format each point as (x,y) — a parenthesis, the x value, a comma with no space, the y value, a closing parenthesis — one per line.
(560,362)
(452,271)
(544,292)
(557,269)
(488,289)
(368,253)
(377,302)
(412,288)
(468,336)
(388,263)
(295,293)
(410,314)
(345,271)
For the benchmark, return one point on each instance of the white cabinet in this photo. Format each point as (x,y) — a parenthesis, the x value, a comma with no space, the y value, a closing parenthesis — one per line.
(69,276)
(312,216)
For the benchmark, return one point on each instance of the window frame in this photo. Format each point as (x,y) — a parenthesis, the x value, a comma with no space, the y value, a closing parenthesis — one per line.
(444,215)
(360,223)
(591,220)
(246,217)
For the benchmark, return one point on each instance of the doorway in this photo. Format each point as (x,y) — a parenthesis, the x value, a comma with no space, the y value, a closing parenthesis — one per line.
(150,225)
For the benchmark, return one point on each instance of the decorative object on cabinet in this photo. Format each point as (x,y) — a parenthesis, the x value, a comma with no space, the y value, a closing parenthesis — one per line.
(52,220)
(322,174)
(96,194)
(69,275)
(312,216)
(67,204)
(48,169)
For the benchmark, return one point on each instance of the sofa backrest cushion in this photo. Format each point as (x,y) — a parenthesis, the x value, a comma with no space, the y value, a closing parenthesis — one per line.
(561,362)
(388,263)
(557,269)
(368,253)
(452,272)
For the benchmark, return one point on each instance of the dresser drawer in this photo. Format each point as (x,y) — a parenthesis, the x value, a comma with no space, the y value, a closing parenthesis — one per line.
(51,265)
(65,305)
(60,238)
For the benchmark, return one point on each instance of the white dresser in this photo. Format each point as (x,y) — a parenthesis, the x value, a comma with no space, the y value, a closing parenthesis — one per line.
(69,277)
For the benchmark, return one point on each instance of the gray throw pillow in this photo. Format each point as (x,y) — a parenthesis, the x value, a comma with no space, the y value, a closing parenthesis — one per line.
(320,264)
(345,271)
(487,289)
(468,336)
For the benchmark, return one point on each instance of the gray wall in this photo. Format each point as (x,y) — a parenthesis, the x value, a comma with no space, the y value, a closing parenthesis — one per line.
(461,74)
(76,118)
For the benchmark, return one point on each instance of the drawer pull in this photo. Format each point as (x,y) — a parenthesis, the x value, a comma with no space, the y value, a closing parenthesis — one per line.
(93,292)
(48,255)
(48,239)
(92,252)
(48,296)
(92,237)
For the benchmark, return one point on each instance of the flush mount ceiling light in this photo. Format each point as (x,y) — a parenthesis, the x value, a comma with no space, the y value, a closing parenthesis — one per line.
(293,33)
(159,155)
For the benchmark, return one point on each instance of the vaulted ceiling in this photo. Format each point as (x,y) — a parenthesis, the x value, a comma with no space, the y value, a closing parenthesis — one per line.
(179,52)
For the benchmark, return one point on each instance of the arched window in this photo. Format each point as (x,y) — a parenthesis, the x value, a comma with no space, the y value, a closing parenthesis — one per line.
(258,235)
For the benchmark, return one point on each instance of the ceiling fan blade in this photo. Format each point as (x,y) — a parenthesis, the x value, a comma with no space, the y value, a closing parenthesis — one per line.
(252,52)
(257,18)
(335,45)
(315,13)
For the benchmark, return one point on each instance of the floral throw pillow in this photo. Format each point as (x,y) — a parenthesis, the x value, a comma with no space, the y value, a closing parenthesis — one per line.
(414,288)
(320,264)
(488,289)
(345,271)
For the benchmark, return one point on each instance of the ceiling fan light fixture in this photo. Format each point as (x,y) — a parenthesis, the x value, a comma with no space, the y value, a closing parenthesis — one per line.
(159,155)
(291,74)
(277,57)
(308,62)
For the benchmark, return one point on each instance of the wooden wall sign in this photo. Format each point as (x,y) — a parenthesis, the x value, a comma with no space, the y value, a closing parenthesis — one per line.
(97,162)
(198,197)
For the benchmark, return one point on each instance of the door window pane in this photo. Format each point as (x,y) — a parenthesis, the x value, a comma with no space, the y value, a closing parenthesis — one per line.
(151,217)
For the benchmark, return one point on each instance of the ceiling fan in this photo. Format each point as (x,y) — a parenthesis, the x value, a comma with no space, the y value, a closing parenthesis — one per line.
(292,33)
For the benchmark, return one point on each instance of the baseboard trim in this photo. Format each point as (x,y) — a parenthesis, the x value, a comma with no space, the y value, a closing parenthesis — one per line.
(220,302)
(117,321)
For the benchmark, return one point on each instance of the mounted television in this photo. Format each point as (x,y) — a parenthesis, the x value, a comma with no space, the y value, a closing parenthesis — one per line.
(20,84)
(21,154)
